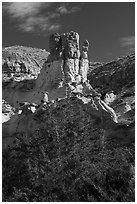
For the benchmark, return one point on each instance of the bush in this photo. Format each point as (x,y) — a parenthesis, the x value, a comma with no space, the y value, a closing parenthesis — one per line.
(67,166)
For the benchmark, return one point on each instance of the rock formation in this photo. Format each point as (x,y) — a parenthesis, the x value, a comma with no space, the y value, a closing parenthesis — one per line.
(64,72)
(84,63)
(71,54)
(63,76)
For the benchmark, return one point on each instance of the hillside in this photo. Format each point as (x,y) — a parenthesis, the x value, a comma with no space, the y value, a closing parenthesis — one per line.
(33,58)
(114,75)
(64,141)
(70,158)
(115,80)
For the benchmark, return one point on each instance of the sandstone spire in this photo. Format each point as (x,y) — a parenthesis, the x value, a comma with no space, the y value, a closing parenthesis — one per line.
(65,55)
(84,63)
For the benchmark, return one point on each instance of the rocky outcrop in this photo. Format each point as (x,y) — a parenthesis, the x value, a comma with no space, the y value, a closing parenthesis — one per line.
(7,111)
(63,80)
(63,76)
(64,72)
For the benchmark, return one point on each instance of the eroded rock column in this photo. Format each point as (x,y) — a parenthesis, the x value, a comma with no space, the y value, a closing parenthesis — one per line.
(84,63)
(71,54)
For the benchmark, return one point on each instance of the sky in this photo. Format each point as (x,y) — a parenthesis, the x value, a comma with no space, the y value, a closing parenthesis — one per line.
(108,26)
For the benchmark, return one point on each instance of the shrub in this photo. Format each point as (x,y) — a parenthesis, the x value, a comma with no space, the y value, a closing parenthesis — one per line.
(67,166)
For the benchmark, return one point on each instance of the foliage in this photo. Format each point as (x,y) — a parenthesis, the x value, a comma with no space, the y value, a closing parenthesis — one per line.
(67,166)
